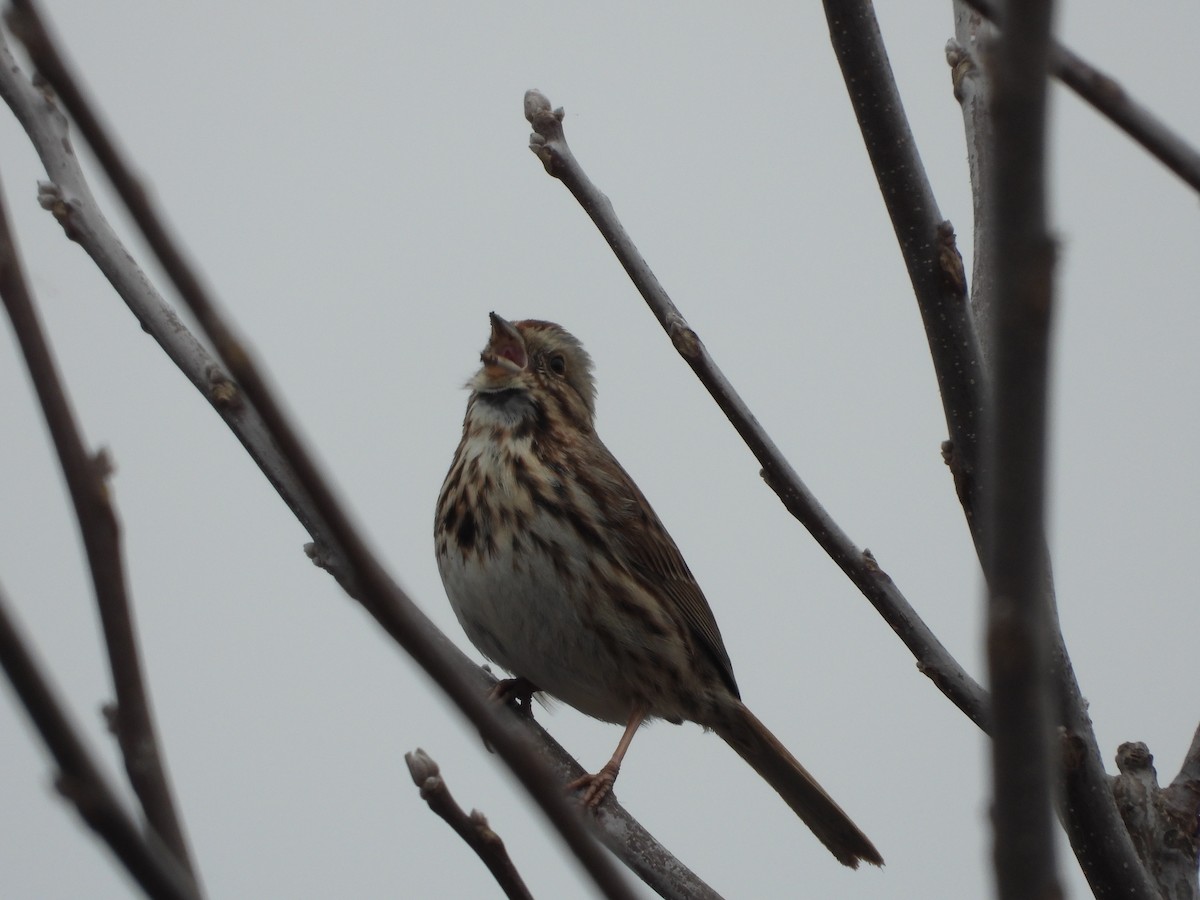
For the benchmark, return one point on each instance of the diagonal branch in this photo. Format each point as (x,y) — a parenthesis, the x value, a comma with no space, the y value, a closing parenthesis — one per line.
(653,864)
(1109,99)
(927,242)
(80,781)
(69,199)
(133,720)
(473,828)
(549,143)
(1189,772)
(624,835)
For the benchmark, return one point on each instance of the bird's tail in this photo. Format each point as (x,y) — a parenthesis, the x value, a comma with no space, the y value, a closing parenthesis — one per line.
(770,759)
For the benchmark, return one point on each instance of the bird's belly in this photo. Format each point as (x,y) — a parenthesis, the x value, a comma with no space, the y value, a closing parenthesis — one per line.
(529,612)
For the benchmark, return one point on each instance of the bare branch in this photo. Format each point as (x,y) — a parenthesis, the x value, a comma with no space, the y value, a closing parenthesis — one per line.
(635,846)
(473,828)
(1109,99)
(927,242)
(85,475)
(1180,837)
(362,574)
(1189,772)
(1162,823)
(625,837)
(80,781)
(1019,621)
(1098,837)
(972,35)
(549,143)
(69,199)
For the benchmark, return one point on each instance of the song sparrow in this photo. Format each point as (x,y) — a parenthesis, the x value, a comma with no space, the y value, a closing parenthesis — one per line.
(559,570)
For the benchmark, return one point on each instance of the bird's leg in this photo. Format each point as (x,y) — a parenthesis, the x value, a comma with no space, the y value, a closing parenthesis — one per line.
(596,787)
(516,692)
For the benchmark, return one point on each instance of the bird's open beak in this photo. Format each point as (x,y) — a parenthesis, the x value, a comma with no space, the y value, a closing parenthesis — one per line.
(504,354)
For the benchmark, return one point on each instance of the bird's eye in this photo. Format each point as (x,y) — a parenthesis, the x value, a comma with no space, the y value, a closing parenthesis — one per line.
(558,364)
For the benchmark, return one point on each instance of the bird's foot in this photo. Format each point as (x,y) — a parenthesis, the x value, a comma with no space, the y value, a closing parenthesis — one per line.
(594,788)
(515,692)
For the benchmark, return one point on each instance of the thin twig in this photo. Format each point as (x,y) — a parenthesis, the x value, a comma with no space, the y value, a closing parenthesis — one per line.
(635,846)
(69,199)
(85,474)
(1019,621)
(381,597)
(1109,99)
(80,781)
(549,143)
(927,242)
(473,828)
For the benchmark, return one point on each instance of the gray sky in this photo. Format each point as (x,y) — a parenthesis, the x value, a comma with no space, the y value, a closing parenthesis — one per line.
(357,188)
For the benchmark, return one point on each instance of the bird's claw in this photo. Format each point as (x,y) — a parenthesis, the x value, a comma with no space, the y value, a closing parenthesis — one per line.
(594,788)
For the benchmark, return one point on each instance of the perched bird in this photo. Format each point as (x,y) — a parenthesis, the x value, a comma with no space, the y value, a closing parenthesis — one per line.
(559,570)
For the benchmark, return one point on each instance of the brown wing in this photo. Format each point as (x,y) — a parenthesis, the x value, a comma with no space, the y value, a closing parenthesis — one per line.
(650,553)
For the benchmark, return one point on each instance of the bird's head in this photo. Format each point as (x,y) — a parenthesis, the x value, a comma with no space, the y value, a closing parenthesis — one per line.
(538,362)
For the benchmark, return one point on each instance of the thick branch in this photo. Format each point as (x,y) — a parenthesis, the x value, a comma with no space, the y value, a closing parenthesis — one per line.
(1019,621)
(80,782)
(1162,823)
(85,476)
(1181,802)
(926,240)
(549,143)
(1094,827)
(1098,837)
(1189,772)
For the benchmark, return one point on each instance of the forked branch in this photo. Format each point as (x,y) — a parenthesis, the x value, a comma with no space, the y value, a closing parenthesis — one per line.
(80,780)
(85,476)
